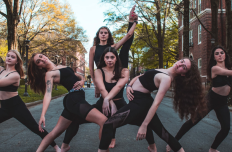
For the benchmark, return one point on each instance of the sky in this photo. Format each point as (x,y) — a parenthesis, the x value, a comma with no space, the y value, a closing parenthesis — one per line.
(89,15)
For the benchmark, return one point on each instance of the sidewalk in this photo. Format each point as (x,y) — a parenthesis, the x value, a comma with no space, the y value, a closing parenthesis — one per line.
(170,94)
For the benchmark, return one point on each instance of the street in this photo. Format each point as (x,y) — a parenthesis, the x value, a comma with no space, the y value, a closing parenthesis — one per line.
(14,137)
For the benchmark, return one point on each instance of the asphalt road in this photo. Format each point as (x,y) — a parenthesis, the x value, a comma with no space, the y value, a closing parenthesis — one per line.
(14,137)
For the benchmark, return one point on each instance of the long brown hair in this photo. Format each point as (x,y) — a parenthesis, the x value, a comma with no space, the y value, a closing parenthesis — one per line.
(117,67)
(36,76)
(188,94)
(19,65)
(110,40)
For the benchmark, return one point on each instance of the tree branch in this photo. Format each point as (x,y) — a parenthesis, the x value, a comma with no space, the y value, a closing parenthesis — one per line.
(202,23)
(3,14)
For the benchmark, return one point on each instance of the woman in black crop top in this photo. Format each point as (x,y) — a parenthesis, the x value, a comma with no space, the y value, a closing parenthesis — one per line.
(42,74)
(220,73)
(104,39)
(12,105)
(142,107)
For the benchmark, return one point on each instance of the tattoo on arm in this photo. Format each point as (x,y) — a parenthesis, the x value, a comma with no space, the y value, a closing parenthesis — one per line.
(49,86)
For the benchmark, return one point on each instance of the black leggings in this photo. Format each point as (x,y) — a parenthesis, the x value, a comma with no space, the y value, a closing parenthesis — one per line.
(217,103)
(124,52)
(74,126)
(135,113)
(75,106)
(15,107)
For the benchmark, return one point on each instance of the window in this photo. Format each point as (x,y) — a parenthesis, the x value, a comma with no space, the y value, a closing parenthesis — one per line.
(190,38)
(199,63)
(199,34)
(195,3)
(199,6)
(182,42)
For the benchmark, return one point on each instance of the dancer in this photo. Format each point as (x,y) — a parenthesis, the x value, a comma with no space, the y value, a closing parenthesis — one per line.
(11,104)
(142,109)
(104,39)
(219,72)
(111,82)
(42,74)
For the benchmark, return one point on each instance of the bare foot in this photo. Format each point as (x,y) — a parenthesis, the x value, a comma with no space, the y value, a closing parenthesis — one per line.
(152,148)
(213,150)
(168,148)
(112,144)
(65,147)
(57,148)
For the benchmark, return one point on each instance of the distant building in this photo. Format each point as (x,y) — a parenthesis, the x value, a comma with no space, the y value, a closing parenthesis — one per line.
(199,39)
(77,62)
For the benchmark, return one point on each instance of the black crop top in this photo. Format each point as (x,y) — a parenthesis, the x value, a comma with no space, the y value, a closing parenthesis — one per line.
(147,80)
(9,88)
(109,87)
(68,78)
(221,80)
(98,52)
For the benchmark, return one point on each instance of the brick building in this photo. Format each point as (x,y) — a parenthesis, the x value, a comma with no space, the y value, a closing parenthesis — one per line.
(199,39)
(77,62)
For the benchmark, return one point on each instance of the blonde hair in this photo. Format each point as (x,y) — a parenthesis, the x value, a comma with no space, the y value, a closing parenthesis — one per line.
(19,65)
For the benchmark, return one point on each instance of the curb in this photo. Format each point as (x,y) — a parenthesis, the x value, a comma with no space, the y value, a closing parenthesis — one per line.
(41,101)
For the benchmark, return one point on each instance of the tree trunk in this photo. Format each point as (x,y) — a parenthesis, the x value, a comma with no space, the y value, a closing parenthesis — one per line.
(229,26)
(186,29)
(214,29)
(160,43)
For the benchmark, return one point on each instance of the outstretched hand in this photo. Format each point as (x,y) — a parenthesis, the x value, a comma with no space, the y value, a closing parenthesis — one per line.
(133,16)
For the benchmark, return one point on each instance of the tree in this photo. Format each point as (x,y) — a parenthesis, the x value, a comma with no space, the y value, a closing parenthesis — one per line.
(229,26)
(12,15)
(156,16)
(49,24)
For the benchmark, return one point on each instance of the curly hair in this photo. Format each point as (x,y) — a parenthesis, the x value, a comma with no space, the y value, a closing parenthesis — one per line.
(110,40)
(188,94)
(213,62)
(117,66)
(36,76)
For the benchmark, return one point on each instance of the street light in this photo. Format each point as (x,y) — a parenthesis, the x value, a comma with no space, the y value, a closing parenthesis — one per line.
(27,47)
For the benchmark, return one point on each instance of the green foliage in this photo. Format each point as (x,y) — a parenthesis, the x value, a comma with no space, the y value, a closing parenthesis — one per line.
(34,96)
(3,49)
(145,48)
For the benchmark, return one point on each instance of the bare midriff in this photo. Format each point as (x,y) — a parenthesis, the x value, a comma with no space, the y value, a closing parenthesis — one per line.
(223,90)
(7,95)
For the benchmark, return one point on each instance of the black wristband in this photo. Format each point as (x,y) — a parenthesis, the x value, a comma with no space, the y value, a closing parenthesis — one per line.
(136,22)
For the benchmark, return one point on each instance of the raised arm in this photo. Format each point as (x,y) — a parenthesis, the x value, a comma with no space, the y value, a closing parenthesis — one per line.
(12,78)
(216,70)
(46,99)
(120,84)
(165,83)
(131,31)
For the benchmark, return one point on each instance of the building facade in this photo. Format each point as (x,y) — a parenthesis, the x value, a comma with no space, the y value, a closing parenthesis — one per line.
(199,39)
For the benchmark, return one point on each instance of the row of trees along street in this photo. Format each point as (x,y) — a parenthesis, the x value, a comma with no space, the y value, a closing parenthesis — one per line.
(156,36)
(49,24)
